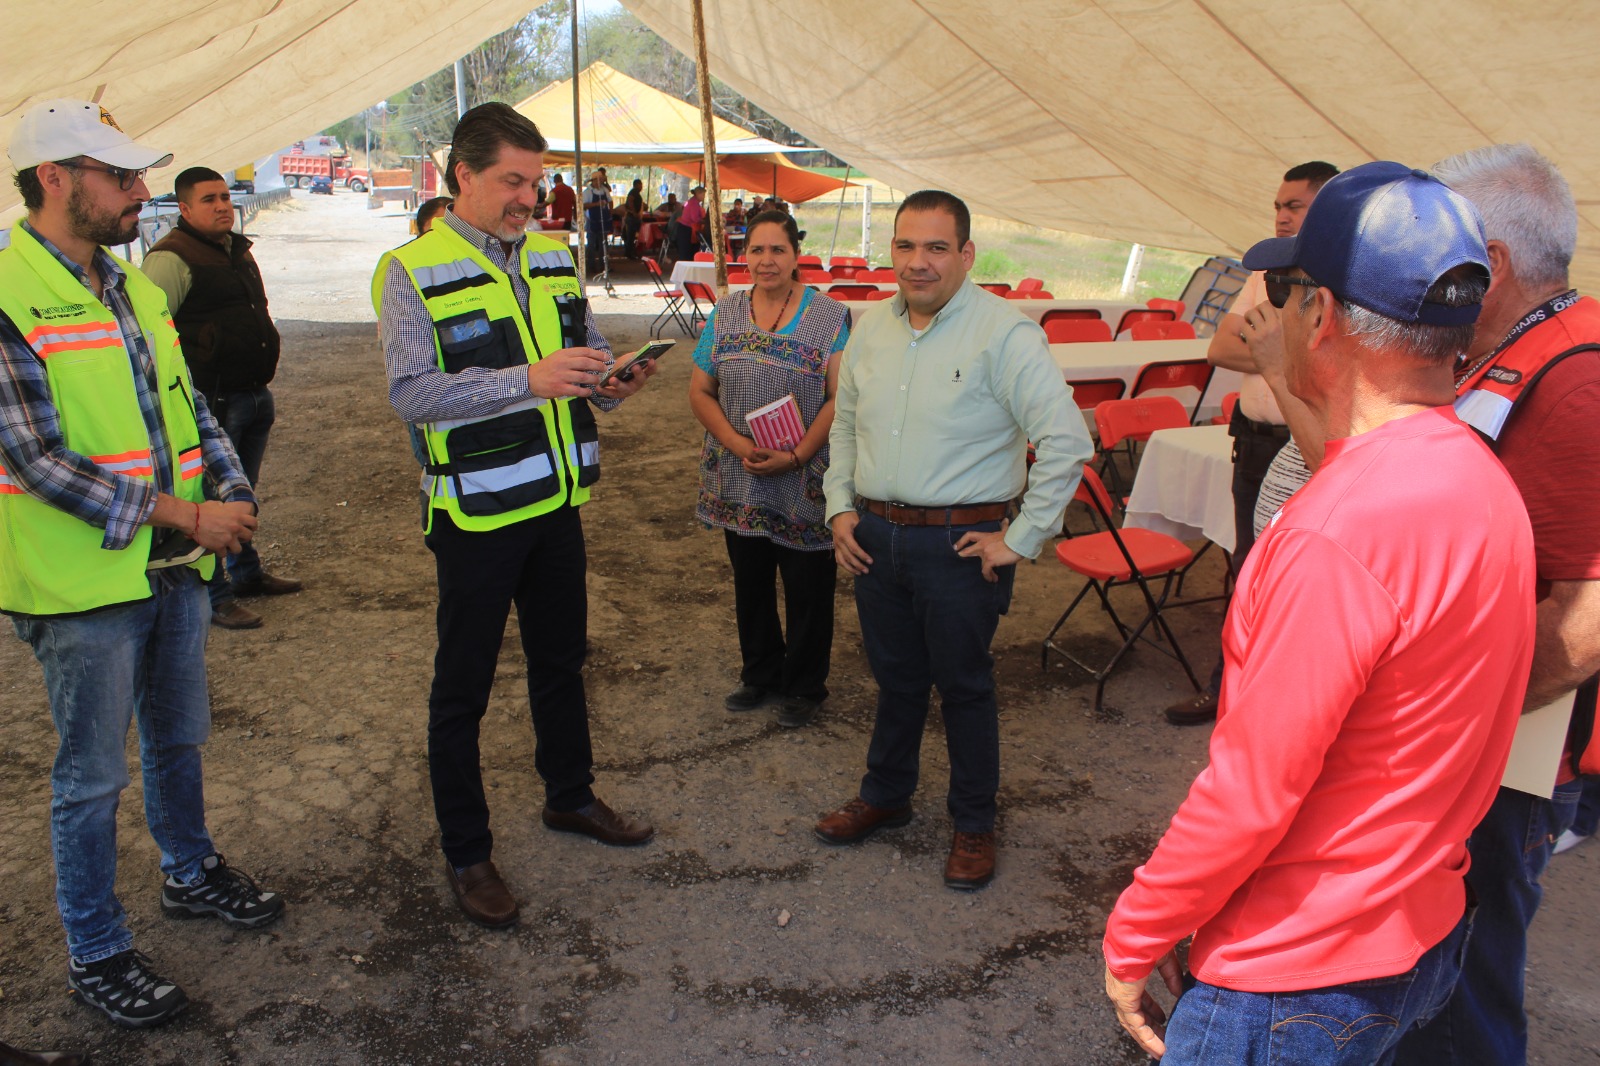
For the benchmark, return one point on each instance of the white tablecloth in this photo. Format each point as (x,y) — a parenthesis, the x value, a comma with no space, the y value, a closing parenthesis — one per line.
(1185,485)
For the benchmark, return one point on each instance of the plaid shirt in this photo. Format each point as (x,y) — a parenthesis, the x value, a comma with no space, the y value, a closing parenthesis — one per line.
(418,389)
(33,449)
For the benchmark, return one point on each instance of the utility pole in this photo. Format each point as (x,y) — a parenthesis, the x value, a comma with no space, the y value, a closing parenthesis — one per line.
(461,87)
(708,135)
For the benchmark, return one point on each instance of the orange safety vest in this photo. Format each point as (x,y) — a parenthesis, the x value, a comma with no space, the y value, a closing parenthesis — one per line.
(1485,400)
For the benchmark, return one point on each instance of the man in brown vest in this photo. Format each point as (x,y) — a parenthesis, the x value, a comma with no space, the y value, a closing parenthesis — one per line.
(215,294)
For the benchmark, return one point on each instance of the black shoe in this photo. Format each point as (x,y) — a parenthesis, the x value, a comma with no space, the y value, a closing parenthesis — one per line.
(797,711)
(745,698)
(125,989)
(1194,711)
(225,893)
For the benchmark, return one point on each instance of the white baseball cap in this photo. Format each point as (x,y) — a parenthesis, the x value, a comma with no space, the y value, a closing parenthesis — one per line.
(65,129)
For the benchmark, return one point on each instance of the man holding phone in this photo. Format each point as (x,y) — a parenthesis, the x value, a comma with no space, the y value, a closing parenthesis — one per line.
(491,348)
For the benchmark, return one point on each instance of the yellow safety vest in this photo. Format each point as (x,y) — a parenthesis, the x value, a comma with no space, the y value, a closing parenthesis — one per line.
(50,561)
(535,455)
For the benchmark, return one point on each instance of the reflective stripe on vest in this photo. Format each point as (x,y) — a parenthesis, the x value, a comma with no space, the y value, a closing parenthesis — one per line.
(1486,399)
(46,340)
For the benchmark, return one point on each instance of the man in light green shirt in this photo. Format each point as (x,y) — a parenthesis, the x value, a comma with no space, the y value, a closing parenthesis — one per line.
(940,391)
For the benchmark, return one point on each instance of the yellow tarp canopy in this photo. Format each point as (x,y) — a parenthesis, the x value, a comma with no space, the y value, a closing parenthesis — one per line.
(624,122)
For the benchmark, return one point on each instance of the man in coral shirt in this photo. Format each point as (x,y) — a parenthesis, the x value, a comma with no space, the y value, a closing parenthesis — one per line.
(1376,656)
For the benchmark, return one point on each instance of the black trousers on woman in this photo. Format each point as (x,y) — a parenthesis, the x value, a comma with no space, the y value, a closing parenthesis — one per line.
(797,666)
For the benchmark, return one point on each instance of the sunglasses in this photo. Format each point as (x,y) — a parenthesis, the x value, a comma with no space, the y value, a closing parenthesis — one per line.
(1278,288)
(126,179)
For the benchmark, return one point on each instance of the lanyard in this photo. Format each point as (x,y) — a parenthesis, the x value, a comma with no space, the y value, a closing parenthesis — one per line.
(1547,310)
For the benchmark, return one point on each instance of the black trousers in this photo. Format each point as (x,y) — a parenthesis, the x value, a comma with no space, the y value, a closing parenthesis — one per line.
(798,666)
(539,565)
(1253,453)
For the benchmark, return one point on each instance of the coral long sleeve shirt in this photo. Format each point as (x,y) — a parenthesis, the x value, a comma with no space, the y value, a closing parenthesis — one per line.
(1376,653)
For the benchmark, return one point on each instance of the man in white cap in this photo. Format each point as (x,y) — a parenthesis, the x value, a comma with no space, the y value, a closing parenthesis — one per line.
(105,540)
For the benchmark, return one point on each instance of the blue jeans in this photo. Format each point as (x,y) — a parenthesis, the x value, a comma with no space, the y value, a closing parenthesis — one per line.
(927,617)
(1588,816)
(101,669)
(1354,1024)
(1484,1021)
(246,417)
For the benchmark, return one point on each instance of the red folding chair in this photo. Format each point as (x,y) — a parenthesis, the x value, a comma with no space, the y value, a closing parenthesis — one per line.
(847,261)
(1229,402)
(1030,285)
(1127,423)
(1108,560)
(1144,314)
(853,292)
(1039,294)
(999,288)
(698,292)
(1177,374)
(842,271)
(1089,393)
(1061,314)
(1076,330)
(882,294)
(881,275)
(809,261)
(739,277)
(704,257)
(1159,304)
(1161,331)
(672,309)
(815,276)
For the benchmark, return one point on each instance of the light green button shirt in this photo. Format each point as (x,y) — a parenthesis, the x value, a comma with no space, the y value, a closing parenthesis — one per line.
(943,419)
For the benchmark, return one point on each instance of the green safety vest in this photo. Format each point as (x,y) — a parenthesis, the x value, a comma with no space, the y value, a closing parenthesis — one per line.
(535,455)
(50,561)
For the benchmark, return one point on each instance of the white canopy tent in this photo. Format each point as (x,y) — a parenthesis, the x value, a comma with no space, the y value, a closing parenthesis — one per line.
(1167,122)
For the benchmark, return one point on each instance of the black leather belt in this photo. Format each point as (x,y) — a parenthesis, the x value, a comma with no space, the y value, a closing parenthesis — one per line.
(905,515)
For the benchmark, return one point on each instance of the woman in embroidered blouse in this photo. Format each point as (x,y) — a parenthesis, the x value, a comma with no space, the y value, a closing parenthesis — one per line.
(780,338)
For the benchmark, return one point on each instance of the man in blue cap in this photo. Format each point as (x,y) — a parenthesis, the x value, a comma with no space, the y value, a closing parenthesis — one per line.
(1375,660)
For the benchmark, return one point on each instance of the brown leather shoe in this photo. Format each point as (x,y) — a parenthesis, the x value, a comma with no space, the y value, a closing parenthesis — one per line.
(602,823)
(483,896)
(235,615)
(267,585)
(857,820)
(11,1056)
(971,861)
(1195,710)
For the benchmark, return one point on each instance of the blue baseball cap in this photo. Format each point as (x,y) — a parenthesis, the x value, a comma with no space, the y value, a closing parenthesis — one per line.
(1380,235)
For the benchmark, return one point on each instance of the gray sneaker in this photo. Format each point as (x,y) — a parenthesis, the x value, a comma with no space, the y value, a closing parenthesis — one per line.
(126,990)
(225,893)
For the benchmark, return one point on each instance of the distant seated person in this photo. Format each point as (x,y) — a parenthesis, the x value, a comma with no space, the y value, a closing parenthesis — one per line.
(563,204)
(668,209)
(691,223)
(430,210)
(632,218)
(735,215)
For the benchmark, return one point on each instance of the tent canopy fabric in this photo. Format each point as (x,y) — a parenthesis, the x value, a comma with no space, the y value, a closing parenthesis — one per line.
(226,84)
(624,122)
(1166,122)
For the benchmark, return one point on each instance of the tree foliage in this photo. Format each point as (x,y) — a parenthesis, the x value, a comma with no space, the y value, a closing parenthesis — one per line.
(530,55)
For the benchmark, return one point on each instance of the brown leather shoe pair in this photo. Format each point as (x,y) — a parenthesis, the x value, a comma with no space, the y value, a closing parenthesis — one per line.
(483,896)
(971,862)
(231,614)
(601,823)
(857,820)
(1196,710)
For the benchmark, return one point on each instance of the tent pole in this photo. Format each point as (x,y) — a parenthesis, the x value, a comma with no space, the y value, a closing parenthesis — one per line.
(577,156)
(838,214)
(708,137)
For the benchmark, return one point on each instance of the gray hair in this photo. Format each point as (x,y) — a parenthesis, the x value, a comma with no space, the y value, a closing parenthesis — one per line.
(1525,202)
(1433,345)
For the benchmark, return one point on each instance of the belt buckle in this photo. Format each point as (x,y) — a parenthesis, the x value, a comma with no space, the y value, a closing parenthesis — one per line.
(891,512)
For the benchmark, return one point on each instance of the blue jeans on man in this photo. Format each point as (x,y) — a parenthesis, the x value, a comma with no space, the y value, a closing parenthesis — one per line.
(1359,1023)
(103,669)
(1484,1022)
(927,619)
(246,416)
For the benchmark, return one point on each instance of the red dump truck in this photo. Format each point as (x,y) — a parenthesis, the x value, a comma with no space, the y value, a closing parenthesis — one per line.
(298,170)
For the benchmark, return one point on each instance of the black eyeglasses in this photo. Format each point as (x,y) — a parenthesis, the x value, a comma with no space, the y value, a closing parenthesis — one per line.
(127,179)
(1278,288)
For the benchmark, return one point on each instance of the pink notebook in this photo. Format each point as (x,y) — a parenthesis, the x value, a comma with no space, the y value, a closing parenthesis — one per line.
(777,426)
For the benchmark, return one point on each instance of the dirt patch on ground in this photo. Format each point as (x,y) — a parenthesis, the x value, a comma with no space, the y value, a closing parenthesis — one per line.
(317,783)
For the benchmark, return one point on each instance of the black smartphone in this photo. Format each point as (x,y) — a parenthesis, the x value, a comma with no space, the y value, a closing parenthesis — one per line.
(624,367)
